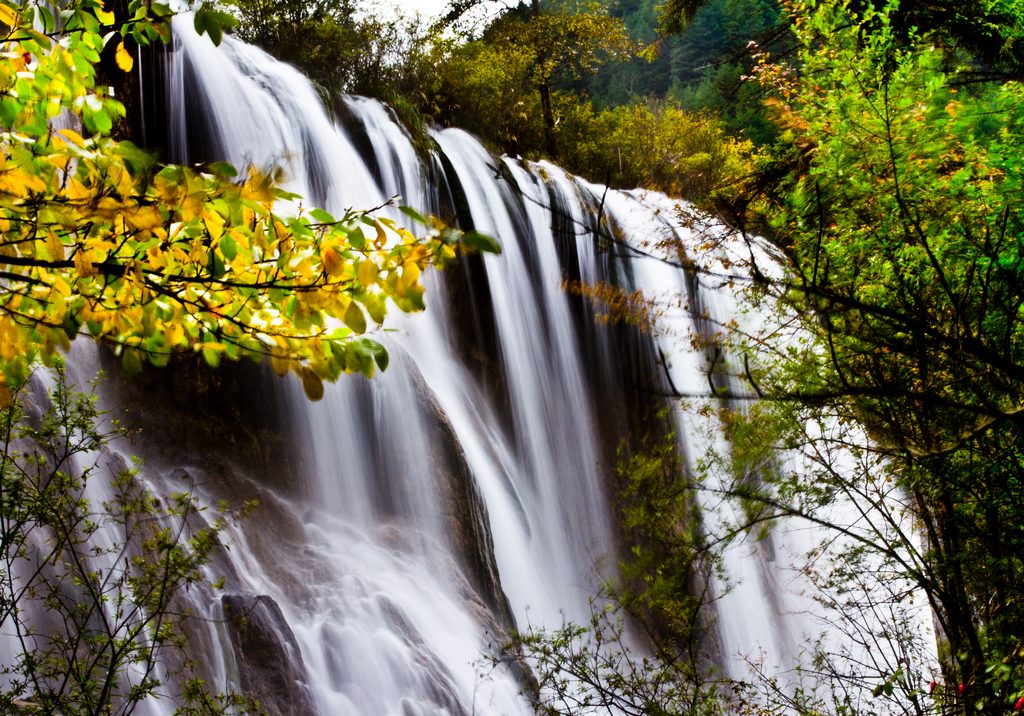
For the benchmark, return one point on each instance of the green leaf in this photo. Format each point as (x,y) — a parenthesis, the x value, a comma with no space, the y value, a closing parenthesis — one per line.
(228,247)
(45,18)
(291,305)
(212,357)
(359,358)
(312,385)
(159,357)
(96,118)
(139,159)
(380,355)
(213,29)
(375,307)
(212,22)
(354,318)
(199,22)
(481,242)
(357,239)
(415,300)
(413,214)
(322,216)
(71,324)
(215,265)
(224,169)
(300,228)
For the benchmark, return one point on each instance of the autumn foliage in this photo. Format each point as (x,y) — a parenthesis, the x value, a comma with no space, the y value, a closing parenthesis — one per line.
(97,238)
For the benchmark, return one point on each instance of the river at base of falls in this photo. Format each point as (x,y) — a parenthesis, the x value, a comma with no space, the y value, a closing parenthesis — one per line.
(465,492)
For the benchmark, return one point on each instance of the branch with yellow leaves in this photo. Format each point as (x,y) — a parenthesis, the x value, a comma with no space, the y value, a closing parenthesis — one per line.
(98,239)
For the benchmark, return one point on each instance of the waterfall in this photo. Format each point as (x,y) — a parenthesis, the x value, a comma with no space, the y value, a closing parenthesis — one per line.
(408,523)
(764,613)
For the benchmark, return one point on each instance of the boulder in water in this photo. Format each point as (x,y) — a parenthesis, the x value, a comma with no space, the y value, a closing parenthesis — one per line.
(270,664)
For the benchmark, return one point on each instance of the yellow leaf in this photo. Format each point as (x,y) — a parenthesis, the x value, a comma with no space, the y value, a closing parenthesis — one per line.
(123,59)
(76,190)
(123,180)
(367,273)
(214,223)
(146,218)
(192,206)
(61,285)
(176,334)
(279,365)
(73,136)
(58,160)
(83,265)
(19,183)
(165,190)
(54,247)
(106,17)
(65,57)
(9,16)
(260,187)
(333,262)
(410,276)
(108,207)
(10,343)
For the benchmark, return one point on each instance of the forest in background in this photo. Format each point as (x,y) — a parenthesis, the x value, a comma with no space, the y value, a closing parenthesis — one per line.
(875,143)
(624,107)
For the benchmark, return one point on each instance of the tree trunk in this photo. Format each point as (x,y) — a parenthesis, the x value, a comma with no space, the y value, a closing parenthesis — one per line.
(545,100)
(549,119)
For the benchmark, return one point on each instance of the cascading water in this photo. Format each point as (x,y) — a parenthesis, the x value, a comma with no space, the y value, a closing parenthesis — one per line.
(539,471)
(763,615)
(430,510)
(769,619)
